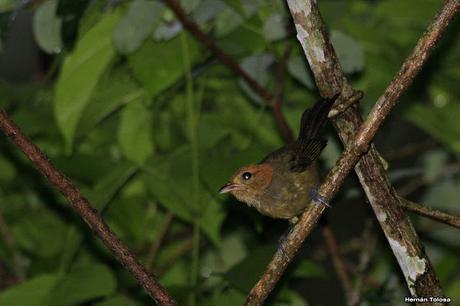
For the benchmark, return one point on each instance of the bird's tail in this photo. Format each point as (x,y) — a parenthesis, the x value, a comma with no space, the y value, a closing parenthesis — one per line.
(314,118)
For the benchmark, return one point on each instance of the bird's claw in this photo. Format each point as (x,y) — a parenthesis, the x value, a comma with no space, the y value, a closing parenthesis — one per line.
(282,239)
(318,198)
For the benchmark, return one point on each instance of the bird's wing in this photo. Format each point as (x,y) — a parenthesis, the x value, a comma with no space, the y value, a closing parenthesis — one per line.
(305,154)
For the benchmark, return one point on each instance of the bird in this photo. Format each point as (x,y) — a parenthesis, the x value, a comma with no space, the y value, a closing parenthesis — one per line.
(282,185)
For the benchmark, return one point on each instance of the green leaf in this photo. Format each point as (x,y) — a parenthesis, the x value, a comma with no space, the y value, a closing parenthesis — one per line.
(350,54)
(440,122)
(236,6)
(81,72)
(115,89)
(274,28)
(32,292)
(7,170)
(118,300)
(308,268)
(81,285)
(229,297)
(100,196)
(135,132)
(111,184)
(227,21)
(137,24)
(159,65)
(47,27)
(257,67)
(288,297)
(298,67)
(246,273)
(434,163)
(189,5)
(40,232)
(169,180)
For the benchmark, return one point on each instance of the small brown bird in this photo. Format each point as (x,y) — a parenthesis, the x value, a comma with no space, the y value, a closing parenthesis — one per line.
(284,182)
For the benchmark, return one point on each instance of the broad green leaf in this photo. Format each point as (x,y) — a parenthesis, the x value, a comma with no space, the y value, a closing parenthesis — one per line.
(190,5)
(235,5)
(245,274)
(217,261)
(274,27)
(117,300)
(81,285)
(40,232)
(443,195)
(135,132)
(32,292)
(245,38)
(257,67)
(169,180)
(227,21)
(208,10)
(159,65)
(434,163)
(350,54)
(307,268)
(228,297)
(288,297)
(440,122)
(7,170)
(81,72)
(114,90)
(100,196)
(137,24)
(47,27)
(298,68)
(453,289)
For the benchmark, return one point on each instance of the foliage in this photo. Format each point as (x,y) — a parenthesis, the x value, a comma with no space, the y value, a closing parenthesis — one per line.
(145,120)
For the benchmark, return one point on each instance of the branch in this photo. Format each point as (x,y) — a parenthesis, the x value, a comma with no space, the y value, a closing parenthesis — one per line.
(81,205)
(330,79)
(431,213)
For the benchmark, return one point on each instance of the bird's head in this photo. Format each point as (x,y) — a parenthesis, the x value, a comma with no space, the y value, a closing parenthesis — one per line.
(249,182)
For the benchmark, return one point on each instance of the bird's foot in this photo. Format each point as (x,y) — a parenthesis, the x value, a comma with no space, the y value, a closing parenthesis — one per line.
(353,99)
(318,198)
(283,239)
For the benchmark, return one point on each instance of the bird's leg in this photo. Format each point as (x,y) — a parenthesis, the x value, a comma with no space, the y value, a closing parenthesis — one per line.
(354,98)
(283,237)
(318,198)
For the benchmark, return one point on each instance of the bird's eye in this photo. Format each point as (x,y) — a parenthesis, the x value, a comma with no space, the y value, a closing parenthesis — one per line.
(246,176)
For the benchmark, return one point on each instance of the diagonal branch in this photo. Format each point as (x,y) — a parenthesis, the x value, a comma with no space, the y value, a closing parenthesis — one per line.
(81,205)
(330,79)
(431,213)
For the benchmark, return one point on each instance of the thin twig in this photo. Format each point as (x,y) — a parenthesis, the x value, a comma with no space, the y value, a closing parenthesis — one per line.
(153,251)
(354,150)
(431,213)
(81,205)
(339,266)
(410,150)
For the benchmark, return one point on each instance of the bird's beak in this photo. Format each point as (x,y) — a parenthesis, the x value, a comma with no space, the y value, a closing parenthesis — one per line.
(229,187)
